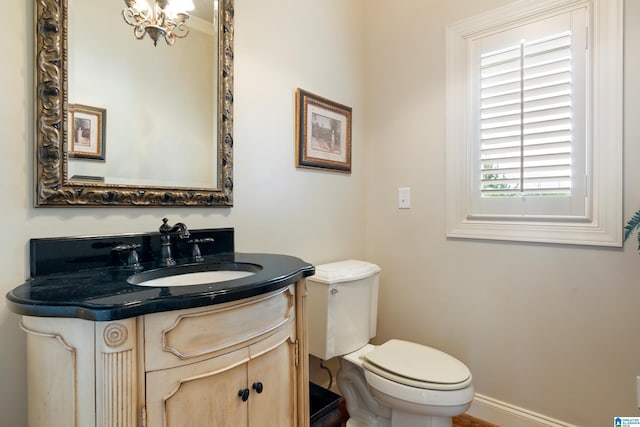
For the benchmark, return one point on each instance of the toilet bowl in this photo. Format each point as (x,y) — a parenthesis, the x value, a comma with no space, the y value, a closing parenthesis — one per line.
(411,401)
(396,384)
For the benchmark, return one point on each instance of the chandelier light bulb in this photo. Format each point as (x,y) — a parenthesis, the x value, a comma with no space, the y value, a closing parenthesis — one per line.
(158,18)
(182,5)
(142,5)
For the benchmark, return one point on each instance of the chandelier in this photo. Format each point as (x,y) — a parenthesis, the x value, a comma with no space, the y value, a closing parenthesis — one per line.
(158,18)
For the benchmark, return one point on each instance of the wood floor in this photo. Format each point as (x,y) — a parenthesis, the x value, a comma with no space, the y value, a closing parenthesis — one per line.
(465,420)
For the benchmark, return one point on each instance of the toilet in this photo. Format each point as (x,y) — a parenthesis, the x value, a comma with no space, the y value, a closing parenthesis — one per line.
(395,384)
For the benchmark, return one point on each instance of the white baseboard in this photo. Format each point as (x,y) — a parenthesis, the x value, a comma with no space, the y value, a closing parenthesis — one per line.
(507,415)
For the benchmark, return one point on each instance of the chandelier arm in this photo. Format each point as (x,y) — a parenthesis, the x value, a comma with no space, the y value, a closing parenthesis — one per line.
(139,31)
(181,30)
(130,16)
(170,38)
(155,22)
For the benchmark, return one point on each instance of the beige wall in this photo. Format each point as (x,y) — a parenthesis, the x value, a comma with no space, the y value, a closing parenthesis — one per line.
(550,328)
(280,45)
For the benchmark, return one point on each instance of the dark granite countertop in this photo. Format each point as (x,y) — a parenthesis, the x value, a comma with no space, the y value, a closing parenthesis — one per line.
(102,294)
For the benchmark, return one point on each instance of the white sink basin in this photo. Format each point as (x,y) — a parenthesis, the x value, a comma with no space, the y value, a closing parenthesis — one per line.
(197,278)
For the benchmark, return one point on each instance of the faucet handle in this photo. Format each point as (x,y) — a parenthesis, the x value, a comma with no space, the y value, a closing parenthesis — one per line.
(165,227)
(133,261)
(195,253)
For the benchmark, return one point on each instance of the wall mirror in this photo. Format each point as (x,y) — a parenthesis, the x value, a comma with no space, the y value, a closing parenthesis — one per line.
(121,122)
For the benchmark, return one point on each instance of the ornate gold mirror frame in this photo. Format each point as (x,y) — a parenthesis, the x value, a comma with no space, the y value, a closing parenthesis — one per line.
(51,117)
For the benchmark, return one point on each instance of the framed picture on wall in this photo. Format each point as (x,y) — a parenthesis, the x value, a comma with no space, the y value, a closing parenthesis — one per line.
(323,129)
(87,132)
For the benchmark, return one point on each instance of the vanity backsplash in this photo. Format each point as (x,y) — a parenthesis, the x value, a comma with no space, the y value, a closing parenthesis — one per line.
(71,254)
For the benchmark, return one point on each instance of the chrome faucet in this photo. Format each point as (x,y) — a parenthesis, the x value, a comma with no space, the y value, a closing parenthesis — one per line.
(165,240)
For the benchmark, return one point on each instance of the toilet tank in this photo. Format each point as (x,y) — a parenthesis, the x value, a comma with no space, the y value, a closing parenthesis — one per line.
(342,302)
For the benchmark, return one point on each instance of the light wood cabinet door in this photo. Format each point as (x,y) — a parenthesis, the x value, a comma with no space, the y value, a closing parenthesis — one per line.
(272,384)
(254,386)
(204,394)
(209,401)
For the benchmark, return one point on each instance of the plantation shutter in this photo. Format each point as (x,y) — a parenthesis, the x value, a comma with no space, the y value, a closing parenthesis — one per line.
(528,120)
(526,115)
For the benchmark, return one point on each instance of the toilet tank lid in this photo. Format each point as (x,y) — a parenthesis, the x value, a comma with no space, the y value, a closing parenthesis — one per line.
(344,271)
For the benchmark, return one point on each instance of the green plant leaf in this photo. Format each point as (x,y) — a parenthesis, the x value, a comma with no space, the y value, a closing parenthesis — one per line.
(631,225)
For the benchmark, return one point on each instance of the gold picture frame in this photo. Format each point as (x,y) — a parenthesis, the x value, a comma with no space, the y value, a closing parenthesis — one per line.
(323,129)
(87,132)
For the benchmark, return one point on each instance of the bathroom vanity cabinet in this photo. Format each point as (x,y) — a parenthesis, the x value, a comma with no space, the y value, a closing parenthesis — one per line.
(239,363)
(241,372)
(106,350)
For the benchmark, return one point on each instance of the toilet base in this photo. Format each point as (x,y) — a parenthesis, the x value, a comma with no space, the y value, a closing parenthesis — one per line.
(406,414)
(367,409)
(406,419)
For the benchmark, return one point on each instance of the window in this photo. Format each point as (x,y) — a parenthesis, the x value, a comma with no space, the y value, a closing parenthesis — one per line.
(534,123)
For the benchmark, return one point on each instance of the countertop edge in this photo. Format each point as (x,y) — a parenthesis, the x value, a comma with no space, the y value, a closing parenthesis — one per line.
(109,312)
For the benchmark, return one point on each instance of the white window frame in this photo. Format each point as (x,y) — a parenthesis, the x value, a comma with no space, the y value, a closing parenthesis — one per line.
(602,223)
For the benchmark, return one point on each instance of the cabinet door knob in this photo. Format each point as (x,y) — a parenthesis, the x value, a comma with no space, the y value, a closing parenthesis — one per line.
(244,394)
(257,387)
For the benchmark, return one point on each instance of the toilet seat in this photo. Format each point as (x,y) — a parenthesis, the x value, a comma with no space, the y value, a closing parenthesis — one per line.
(417,365)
